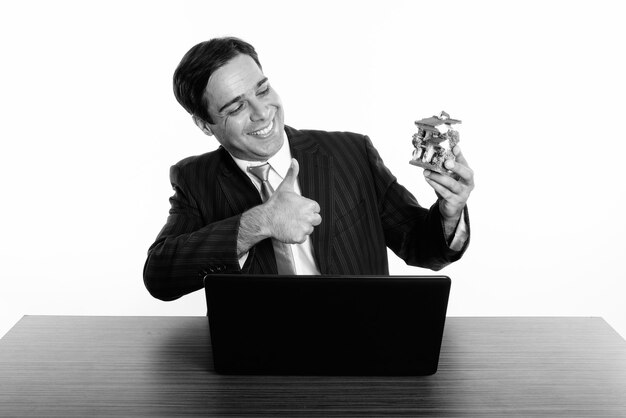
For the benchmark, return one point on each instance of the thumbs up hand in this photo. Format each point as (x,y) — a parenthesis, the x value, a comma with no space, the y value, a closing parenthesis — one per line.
(291,217)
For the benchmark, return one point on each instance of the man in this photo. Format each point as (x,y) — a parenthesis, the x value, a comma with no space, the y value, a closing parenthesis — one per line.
(273,199)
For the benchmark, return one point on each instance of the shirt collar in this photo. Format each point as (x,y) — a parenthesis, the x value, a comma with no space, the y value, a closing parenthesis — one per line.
(280,162)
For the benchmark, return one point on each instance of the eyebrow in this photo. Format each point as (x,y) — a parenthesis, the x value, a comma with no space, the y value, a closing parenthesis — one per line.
(238,98)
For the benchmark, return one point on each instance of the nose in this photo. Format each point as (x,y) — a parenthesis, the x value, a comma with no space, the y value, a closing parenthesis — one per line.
(259,110)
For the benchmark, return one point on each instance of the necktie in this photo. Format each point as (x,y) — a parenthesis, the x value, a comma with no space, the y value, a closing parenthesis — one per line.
(282,251)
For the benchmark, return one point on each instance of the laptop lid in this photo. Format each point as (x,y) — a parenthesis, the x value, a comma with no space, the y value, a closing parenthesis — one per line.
(326,325)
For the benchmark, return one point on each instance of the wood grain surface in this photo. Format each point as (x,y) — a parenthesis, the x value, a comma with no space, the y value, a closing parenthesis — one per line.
(59,366)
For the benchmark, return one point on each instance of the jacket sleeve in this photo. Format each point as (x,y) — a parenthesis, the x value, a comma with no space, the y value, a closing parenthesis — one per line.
(413,232)
(187,248)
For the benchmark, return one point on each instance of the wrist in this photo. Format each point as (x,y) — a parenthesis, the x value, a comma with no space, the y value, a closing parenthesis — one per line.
(450,223)
(254,227)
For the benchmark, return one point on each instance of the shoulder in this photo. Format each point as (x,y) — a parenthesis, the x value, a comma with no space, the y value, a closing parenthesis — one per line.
(332,142)
(199,167)
(323,135)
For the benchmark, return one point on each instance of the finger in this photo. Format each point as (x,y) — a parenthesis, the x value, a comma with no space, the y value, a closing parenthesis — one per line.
(459,155)
(309,205)
(303,235)
(441,191)
(291,177)
(461,171)
(317,219)
(427,174)
(447,182)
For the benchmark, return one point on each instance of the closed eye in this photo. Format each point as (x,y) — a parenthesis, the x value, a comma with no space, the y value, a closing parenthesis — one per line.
(263,92)
(236,109)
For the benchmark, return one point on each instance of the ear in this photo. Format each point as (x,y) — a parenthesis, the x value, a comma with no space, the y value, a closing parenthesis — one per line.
(203,125)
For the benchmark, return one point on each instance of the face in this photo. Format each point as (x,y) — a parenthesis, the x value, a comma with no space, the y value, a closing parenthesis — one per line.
(247,113)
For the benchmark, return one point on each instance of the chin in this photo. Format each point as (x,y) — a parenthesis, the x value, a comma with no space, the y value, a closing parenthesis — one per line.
(270,152)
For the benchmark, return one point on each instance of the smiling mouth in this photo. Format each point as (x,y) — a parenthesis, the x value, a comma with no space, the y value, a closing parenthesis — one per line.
(265,131)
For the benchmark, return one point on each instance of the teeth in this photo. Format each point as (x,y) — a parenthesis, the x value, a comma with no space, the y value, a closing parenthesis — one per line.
(264,131)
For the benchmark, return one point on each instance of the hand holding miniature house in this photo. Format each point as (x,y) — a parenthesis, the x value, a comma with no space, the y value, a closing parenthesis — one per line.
(434,141)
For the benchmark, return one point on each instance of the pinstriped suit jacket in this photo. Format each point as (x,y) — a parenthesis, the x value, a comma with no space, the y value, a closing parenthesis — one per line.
(363,210)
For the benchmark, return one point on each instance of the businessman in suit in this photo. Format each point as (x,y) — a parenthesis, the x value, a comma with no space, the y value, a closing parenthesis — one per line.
(273,199)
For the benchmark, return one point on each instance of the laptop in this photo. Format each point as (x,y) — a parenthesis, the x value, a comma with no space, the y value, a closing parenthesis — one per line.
(326,325)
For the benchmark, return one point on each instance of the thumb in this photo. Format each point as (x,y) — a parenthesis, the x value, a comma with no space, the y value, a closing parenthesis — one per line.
(291,177)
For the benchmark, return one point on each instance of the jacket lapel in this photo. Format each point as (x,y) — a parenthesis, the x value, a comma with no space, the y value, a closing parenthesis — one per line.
(315,180)
(239,192)
(241,195)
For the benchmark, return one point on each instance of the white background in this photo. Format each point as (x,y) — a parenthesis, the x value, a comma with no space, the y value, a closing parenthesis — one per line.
(89,128)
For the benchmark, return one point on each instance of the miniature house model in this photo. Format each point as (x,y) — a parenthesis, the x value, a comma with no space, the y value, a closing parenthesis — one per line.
(434,141)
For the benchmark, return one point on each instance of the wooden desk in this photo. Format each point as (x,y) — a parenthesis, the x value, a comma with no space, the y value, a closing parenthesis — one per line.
(162,366)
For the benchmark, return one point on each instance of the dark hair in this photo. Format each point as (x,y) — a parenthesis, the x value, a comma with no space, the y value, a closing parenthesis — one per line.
(193,72)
